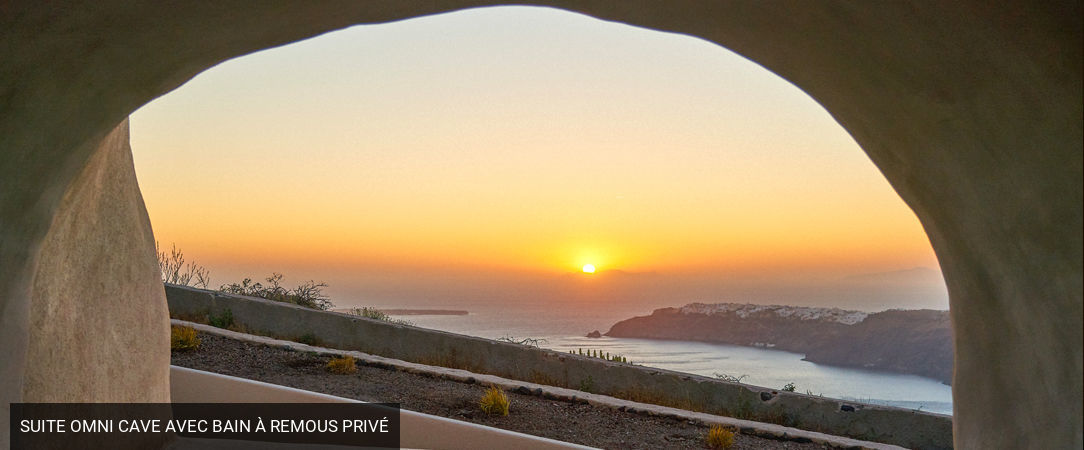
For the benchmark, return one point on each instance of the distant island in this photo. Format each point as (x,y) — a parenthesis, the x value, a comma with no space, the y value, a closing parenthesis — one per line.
(917,342)
(425,312)
(414,312)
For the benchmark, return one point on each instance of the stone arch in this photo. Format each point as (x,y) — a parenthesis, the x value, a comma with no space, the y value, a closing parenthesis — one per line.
(972,111)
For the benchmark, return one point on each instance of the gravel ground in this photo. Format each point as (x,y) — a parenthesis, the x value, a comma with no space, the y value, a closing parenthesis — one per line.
(571,422)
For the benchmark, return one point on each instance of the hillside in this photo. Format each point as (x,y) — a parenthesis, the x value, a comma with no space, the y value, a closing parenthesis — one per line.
(915,342)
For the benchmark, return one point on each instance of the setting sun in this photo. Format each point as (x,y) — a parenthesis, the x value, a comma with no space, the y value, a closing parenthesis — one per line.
(409,197)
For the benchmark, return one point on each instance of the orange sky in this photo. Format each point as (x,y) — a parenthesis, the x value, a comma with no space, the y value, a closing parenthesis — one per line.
(512,140)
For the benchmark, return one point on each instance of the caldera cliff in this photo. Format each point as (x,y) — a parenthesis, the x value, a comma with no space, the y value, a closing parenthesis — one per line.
(917,342)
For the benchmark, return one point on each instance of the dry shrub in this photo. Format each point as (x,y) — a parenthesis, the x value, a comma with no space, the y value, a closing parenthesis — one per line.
(343,365)
(310,294)
(183,338)
(175,271)
(494,402)
(719,437)
(377,314)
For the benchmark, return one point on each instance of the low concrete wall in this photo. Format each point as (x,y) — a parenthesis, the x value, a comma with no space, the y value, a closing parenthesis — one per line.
(898,426)
(746,427)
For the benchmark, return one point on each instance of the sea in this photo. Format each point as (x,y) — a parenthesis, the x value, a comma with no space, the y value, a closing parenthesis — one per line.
(563,327)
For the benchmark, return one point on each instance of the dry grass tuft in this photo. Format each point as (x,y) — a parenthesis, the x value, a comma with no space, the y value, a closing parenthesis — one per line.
(719,437)
(183,338)
(343,365)
(494,402)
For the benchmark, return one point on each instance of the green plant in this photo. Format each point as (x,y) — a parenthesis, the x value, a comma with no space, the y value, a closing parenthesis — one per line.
(223,321)
(342,365)
(182,338)
(175,271)
(309,294)
(789,387)
(719,437)
(494,402)
(587,384)
(590,353)
(307,339)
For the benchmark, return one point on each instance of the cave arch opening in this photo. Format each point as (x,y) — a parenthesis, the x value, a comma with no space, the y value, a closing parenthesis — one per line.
(592,130)
(952,101)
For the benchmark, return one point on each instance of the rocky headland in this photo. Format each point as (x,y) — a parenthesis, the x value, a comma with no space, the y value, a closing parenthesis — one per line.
(917,342)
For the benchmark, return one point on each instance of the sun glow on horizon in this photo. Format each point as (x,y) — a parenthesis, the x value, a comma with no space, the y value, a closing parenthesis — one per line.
(510,141)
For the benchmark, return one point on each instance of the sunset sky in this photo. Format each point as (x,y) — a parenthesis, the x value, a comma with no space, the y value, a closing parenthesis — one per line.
(504,144)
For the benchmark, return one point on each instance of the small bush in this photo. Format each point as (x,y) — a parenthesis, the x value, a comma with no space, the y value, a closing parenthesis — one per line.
(307,339)
(719,437)
(601,355)
(789,387)
(587,384)
(223,321)
(373,313)
(309,294)
(494,402)
(342,365)
(183,338)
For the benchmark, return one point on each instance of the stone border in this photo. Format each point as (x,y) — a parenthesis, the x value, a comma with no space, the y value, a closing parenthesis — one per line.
(416,430)
(760,429)
(682,391)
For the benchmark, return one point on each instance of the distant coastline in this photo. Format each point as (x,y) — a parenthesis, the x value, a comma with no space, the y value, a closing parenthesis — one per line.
(425,312)
(414,312)
(917,342)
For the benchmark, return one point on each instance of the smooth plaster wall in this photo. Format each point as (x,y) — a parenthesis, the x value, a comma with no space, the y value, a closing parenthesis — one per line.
(971,109)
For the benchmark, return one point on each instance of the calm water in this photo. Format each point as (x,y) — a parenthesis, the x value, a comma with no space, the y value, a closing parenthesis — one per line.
(563,327)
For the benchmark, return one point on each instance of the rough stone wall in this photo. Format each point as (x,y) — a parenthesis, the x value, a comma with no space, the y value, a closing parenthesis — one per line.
(99,328)
(971,109)
(96,329)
